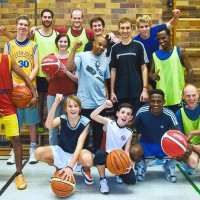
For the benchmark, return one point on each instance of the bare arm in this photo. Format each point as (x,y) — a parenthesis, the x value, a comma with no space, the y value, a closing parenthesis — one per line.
(144,94)
(73,77)
(95,114)
(174,21)
(187,65)
(15,68)
(70,61)
(113,97)
(51,122)
(3,31)
(106,89)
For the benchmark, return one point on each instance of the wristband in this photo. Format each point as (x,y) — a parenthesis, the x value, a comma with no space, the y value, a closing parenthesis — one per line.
(145,88)
(69,167)
(112,93)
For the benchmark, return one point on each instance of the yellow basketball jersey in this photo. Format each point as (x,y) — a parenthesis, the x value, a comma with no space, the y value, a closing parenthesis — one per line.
(23,54)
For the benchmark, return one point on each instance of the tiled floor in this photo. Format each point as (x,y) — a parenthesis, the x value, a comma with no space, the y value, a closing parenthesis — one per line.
(155,187)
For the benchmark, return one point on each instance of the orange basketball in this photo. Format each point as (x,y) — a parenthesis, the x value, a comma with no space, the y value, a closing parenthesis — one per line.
(21,96)
(117,161)
(62,188)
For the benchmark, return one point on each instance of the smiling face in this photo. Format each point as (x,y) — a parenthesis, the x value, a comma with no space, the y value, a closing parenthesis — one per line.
(62,43)
(72,109)
(22,26)
(98,28)
(124,115)
(125,29)
(47,19)
(164,40)
(190,96)
(99,45)
(156,102)
(144,29)
(77,19)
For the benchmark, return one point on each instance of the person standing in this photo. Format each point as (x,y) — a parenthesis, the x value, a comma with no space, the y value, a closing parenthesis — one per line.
(60,83)
(147,35)
(24,52)
(8,112)
(93,70)
(129,75)
(167,69)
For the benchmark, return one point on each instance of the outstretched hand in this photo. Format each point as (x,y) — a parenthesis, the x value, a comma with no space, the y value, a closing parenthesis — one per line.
(176,12)
(59,98)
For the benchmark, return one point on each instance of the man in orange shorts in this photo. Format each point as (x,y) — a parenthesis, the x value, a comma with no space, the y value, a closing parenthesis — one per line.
(8,112)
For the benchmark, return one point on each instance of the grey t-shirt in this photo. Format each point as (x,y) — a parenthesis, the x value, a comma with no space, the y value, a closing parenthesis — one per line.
(93,70)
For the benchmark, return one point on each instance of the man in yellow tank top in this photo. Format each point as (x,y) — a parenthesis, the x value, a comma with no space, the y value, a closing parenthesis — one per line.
(25,53)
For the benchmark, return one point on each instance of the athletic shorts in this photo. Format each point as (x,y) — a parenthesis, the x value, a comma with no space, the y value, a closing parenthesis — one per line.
(42,84)
(62,158)
(28,116)
(152,149)
(11,125)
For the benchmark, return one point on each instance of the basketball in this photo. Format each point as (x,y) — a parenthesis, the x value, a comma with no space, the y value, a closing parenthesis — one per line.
(50,65)
(174,143)
(21,96)
(62,188)
(117,161)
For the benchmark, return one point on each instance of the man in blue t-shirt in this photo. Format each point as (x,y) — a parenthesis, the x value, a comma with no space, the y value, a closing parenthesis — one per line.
(151,123)
(148,37)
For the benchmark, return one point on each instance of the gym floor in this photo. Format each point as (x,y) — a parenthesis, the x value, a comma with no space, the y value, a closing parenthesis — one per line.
(155,186)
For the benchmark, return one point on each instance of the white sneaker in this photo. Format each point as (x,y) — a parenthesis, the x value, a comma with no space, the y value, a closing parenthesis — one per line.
(11,159)
(104,189)
(118,180)
(32,159)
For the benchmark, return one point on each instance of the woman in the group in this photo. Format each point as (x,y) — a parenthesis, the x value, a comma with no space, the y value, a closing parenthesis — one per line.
(62,82)
(73,132)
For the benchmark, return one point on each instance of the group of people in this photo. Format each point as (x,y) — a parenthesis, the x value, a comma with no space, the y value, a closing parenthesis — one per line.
(145,85)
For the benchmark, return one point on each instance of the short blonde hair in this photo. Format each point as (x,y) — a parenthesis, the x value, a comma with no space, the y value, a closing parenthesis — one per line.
(25,17)
(144,18)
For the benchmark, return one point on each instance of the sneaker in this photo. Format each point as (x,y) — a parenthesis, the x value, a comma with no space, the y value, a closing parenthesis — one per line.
(170,172)
(20,182)
(40,128)
(156,162)
(11,159)
(88,177)
(184,166)
(118,180)
(32,159)
(104,189)
(141,171)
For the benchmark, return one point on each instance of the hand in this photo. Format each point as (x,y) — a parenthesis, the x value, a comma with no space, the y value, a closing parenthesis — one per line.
(59,98)
(66,174)
(156,76)
(113,98)
(1,113)
(32,30)
(33,103)
(144,96)
(78,44)
(63,67)
(176,12)
(22,84)
(3,29)
(108,104)
(129,168)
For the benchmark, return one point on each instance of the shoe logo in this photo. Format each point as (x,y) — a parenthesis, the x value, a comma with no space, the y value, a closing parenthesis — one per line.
(161,126)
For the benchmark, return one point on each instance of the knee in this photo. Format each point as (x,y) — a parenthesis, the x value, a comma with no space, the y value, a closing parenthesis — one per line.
(16,141)
(100,157)
(38,153)
(86,158)
(136,152)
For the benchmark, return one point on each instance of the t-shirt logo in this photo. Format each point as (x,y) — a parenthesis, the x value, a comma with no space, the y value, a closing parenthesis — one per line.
(123,138)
